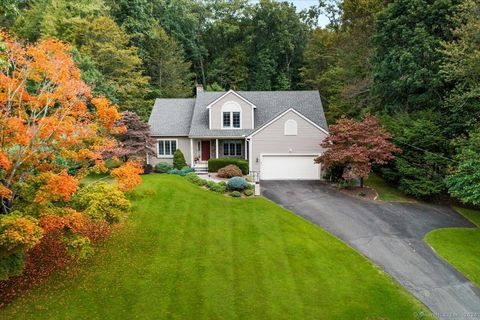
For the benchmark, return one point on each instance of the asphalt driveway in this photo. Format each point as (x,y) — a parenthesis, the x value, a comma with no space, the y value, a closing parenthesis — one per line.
(391,235)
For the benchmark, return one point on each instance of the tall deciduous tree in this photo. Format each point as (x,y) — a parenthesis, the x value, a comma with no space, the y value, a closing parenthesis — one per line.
(357,146)
(461,70)
(406,61)
(165,64)
(46,125)
(464,181)
(108,45)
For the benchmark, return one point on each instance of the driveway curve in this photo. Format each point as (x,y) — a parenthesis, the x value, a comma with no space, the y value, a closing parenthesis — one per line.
(391,235)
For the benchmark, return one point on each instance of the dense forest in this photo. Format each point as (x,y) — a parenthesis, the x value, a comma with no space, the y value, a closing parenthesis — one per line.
(413,63)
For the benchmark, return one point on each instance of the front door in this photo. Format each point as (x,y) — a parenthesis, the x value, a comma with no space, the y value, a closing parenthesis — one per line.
(205,150)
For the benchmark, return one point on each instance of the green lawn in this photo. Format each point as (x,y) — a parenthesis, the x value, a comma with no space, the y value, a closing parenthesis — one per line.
(460,246)
(385,191)
(188,253)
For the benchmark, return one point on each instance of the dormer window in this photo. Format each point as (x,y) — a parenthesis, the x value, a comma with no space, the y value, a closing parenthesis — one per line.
(231,115)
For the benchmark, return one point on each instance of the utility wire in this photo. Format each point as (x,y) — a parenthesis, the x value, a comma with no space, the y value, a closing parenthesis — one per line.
(420,149)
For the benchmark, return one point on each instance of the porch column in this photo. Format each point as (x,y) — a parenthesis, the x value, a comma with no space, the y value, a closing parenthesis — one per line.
(245,149)
(216,148)
(192,163)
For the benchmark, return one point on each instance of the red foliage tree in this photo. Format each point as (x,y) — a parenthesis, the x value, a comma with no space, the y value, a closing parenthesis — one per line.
(357,146)
(134,142)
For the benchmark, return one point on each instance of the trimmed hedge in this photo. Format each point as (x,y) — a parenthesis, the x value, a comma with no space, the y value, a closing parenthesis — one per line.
(216,164)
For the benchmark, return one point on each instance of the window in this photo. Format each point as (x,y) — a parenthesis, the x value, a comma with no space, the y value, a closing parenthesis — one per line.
(231,115)
(236,119)
(166,147)
(226,119)
(290,128)
(232,148)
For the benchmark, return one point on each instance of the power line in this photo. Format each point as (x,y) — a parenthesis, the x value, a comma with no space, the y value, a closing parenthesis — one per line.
(426,151)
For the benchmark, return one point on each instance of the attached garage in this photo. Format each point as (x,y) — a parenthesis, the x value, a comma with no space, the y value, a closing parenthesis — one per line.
(289,167)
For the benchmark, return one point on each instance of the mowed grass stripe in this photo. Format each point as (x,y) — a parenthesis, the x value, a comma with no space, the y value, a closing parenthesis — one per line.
(188,253)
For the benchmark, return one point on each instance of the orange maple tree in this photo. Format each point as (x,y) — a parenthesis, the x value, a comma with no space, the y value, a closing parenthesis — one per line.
(357,145)
(49,120)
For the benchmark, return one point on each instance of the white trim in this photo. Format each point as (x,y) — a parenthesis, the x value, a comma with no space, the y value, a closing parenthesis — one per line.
(216,148)
(281,115)
(209,119)
(166,156)
(250,153)
(226,93)
(191,153)
(227,108)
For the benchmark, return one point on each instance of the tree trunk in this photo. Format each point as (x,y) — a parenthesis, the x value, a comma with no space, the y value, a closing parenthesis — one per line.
(361,182)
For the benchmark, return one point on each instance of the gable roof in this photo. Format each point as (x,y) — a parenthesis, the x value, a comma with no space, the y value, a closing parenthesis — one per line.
(269,105)
(265,125)
(227,93)
(171,117)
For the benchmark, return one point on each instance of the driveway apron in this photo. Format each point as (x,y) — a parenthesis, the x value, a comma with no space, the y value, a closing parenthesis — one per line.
(391,235)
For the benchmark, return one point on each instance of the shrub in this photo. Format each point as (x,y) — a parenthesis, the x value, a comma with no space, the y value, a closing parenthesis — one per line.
(216,164)
(201,182)
(219,188)
(147,169)
(179,159)
(236,194)
(211,184)
(237,183)
(163,167)
(248,193)
(192,177)
(230,171)
(188,170)
(101,201)
(17,234)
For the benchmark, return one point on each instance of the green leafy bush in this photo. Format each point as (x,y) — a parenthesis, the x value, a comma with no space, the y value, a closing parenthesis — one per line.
(101,201)
(18,233)
(192,177)
(11,265)
(179,160)
(201,182)
(230,171)
(248,192)
(237,183)
(217,187)
(163,167)
(236,194)
(188,170)
(216,164)
(182,172)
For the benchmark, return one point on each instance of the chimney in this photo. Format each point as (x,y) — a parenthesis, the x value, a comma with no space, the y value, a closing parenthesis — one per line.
(199,88)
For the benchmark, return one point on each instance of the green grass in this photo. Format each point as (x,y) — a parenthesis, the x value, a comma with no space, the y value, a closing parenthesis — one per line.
(471,214)
(188,253)
(95,177)
(460,246)
(385,191)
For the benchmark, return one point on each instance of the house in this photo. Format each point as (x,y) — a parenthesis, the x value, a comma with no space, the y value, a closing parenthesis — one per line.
(278,132)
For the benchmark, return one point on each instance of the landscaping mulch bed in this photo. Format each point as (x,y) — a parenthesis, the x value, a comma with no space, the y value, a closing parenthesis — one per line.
(361,193)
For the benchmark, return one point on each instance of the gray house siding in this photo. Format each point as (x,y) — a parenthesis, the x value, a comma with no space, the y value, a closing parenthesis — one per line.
(216,112)
(183,143)
(272,140)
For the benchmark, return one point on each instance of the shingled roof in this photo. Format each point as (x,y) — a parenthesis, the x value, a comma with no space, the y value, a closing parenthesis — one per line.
(169,116)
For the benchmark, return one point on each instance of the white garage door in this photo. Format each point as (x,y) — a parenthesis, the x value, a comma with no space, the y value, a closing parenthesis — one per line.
(289,167)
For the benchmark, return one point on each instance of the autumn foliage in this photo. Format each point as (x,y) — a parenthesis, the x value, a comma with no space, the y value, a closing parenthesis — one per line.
(53,132)
(357,146)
